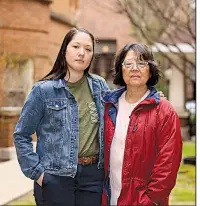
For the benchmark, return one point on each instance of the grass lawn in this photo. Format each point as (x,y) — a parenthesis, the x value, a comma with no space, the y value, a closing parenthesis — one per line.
(182,194)
(184,191)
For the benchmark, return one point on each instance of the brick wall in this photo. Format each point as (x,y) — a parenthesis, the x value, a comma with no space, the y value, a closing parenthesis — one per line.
(28,31)
(24,27)
(24,31)
(66,7)
(8,120)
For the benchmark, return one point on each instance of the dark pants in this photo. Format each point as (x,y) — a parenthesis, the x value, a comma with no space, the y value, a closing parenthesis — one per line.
(85,189)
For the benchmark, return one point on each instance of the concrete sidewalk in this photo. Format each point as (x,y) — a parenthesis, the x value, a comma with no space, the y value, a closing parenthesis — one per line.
(13,183)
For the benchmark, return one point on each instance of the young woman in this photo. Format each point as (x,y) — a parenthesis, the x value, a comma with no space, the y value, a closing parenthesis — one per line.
(66,110)
(143,144)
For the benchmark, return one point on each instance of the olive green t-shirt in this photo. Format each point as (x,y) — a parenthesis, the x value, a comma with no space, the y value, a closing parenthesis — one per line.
(88,118)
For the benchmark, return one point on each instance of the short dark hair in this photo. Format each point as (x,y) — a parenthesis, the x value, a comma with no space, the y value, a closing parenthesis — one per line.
(145,54)
(60,68)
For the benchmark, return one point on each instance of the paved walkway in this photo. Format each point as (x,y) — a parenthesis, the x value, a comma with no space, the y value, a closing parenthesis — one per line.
(13,183)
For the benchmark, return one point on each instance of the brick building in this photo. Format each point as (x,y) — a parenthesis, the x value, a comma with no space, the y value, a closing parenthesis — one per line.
(31,32)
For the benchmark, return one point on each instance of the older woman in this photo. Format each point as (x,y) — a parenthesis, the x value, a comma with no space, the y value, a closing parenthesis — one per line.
(143,142)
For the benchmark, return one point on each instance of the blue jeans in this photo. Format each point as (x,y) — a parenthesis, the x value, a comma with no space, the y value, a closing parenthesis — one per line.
(85,189)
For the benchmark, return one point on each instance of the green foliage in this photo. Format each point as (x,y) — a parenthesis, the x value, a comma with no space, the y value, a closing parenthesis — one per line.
(184,191)
(189,149)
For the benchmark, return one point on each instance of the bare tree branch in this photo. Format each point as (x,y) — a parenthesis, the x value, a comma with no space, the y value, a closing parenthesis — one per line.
(173,20)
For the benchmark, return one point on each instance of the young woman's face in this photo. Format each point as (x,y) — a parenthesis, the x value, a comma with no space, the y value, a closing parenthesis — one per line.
(135,72)
(79,52)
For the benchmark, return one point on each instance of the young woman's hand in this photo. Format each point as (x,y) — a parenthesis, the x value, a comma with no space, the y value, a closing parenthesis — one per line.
(162,94)
(39,181)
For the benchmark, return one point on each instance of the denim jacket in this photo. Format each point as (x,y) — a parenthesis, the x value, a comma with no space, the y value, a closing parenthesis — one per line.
(52,112)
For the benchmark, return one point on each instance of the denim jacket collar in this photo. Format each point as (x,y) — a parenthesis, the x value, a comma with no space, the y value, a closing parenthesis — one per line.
(59,83)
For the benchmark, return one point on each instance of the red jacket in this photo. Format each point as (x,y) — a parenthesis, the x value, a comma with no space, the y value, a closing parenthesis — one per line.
(152,153)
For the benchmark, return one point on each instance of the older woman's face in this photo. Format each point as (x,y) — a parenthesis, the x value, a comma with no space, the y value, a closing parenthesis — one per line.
(135,73)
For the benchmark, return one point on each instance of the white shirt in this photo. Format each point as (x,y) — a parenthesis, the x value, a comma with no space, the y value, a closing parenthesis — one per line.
(118,145)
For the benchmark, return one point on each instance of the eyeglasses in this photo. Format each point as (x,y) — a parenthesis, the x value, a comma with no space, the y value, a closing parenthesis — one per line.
(138,64)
